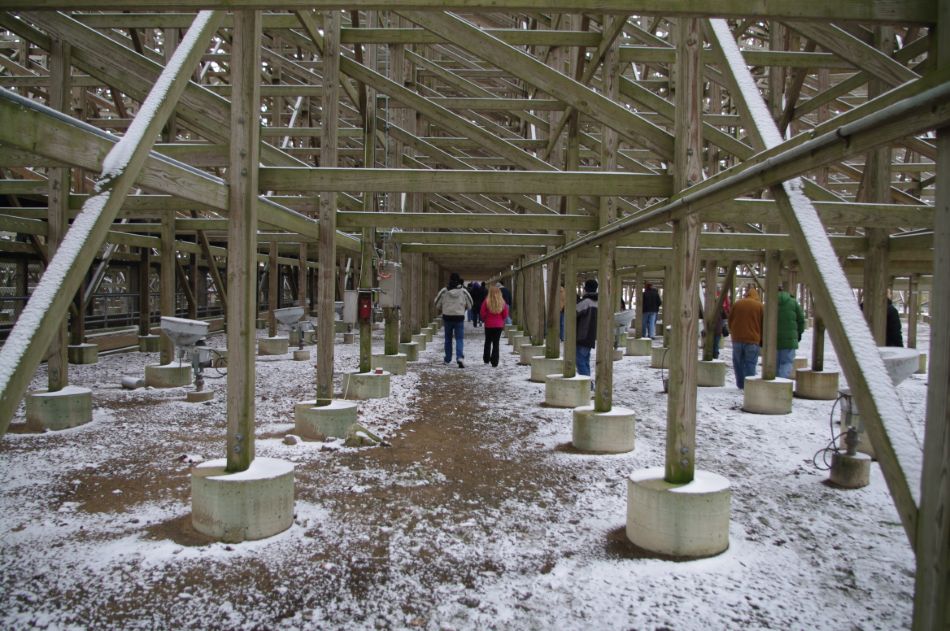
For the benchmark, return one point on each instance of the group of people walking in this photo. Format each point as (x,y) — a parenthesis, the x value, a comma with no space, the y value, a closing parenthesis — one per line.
(489,307)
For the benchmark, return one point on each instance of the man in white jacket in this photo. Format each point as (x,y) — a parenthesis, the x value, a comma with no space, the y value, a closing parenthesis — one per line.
(454,300)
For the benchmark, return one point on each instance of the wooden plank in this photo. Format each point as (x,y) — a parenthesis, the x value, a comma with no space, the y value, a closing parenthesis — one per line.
(455,181)
(31,335)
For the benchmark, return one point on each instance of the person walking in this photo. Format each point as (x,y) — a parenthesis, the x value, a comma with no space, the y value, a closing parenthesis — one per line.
(745,326)
(479,292)
(651,307)
(454,300)
(894,333)
(791,325)
(722,329)
(586,326)
(493,312)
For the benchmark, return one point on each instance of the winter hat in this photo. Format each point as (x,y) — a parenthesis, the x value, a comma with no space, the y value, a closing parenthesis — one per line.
(454,280)
(590,286)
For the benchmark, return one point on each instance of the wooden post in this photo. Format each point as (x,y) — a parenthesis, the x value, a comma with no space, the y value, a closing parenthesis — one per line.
(326,287)
(710,312)
(166,282)
(193,293)
(770,317)
(59,185)
(145,296)
(932,587)
(367,271)
(682,283)
(302,276)
(913,308)
(273,288)
(242,237)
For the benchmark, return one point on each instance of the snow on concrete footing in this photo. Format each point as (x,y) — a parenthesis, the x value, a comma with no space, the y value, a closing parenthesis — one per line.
(922,364)
(799,363)
(711,374)
(69,407)
(247,505)
(566,392)
(301,356)
(527,351)
(196,396)
(396,364)
(319,422)
(349,337)
(820,385)
(410,350)
(606,432)
(366,385)
(767,396)
(639,347)
(850,472)
(543,367)
(420,339)
(171,375)
(682,520)
(82,353)
(277,345)
(150,343)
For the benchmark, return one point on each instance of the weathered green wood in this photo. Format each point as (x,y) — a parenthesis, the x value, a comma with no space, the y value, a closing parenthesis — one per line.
(773,264)
(784,58)
(166,283)
(244,160)
(453,181)
(31,336)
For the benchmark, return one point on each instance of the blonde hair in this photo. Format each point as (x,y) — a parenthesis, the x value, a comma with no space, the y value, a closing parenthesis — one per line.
(496,303)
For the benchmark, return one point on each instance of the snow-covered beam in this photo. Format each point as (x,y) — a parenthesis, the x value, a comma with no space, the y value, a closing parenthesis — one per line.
(26,345)
(874,393)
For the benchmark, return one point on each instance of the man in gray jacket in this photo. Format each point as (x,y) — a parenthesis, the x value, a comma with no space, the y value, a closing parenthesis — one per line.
(454,300)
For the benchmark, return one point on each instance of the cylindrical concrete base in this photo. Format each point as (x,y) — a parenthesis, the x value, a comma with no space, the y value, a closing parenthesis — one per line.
(419,339)
(683,520)
(410,350)
(366,385)
(529,351)
(711,374)
(429,332)
(82,353)
(293,337)
(622,341)
(607,432)
(396,364)
(773,396)
(922,365)
(618,354)
(317,423)
(309,337)
(199,397)
(850,472)
(518,340)
(277,345)
(251,504)
(660,357)
(301,356)
(541,367)
(168,375)
(349,337)
(799,363)
(639,347)
(69,407)
(261,324)
(150,343)
(816,385)
(567,392)
(339,326)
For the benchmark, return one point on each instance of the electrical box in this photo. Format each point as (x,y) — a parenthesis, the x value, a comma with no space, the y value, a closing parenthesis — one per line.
(390,283)
(364,306)
(349,306)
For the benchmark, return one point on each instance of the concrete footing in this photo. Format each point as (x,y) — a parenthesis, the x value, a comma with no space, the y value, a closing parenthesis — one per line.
(773,396)
(366,385)
(922,365)
(349,337)
(251,504)
(277,345)
(261,324)
(683,520)
(816,385)
(711,374)
(196,396)
(339,326)
(639,347)
(171,375)
(799,363)
(607,432)
(429,332)
(419,339)
(660,357)
(301,356)
(528,351)
(517,340)
(82,353)
(567,392)
(69,407)
(395,364)
(318,423)
(541,367)
(618,354)
(410,350)
(850,472)
(150,343)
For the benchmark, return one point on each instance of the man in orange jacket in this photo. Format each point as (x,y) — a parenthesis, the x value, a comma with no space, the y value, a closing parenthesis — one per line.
(745,327)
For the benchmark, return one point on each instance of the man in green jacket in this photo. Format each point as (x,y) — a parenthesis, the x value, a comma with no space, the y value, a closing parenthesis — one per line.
(791,325)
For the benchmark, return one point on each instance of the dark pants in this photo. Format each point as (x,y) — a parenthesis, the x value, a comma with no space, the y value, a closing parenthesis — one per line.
(456,330)
(492,337)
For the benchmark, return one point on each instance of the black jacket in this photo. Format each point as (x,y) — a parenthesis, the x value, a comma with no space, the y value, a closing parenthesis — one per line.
(651,300)
(894,335)
(587,321)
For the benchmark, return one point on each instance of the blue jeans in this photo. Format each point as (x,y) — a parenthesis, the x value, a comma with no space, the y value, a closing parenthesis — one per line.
(785,360)
(716,340)
(456,329)
(649,324)
(583,360)
(562,325)
(744,359)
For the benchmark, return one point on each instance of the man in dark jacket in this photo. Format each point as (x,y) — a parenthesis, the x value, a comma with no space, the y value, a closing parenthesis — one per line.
(651,307)
(894,335)
(586,326)
(506,294)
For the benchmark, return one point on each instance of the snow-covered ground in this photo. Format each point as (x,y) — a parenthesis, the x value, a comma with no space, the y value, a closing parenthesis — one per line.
(479,516)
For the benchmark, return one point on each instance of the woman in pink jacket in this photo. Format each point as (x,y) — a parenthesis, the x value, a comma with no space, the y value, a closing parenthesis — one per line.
(493,313)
